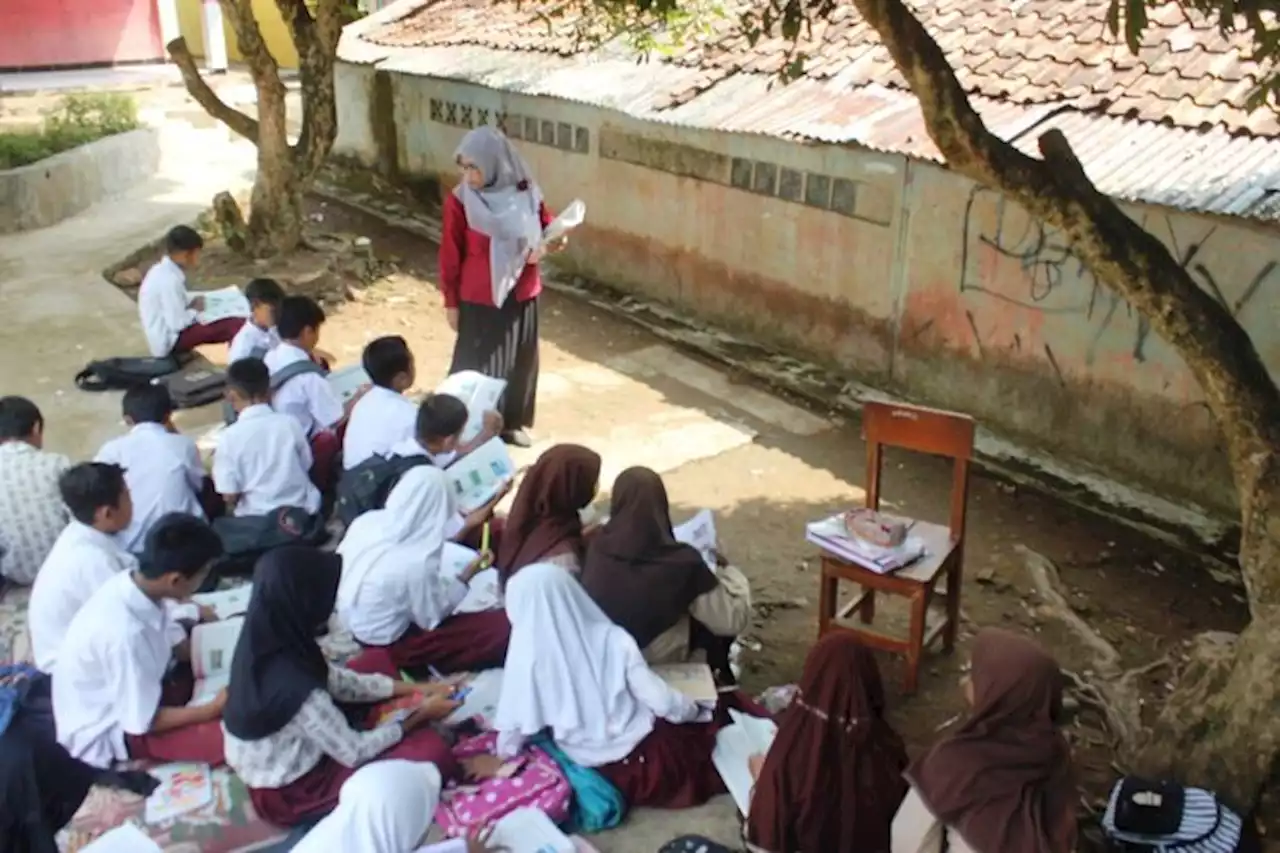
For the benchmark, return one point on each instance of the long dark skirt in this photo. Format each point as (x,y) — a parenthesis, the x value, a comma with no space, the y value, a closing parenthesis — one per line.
(503,343)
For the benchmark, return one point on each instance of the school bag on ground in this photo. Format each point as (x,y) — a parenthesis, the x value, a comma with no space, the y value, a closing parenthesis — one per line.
(1165,816)
(536,781)
(366,487)
(197,385)
(121,374)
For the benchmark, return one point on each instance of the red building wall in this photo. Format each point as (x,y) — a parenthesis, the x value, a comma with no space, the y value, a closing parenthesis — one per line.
(43,33)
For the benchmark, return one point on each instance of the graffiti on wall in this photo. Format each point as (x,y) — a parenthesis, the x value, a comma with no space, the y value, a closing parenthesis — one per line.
(1053,280)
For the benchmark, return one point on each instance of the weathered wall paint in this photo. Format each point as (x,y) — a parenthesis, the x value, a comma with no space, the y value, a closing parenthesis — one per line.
(903,272)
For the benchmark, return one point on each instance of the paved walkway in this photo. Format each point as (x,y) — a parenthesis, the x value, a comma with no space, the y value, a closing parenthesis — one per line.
(60,313)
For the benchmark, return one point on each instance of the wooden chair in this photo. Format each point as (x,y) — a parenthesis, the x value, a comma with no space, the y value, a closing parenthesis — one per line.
(924,431)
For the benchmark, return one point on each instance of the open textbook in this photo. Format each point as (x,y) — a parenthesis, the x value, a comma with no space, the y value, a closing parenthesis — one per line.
(692,679)
(481,394)
(484,689)
(482,592)
(348,381)
(570,218)
(221,304)
(744,737)
(184,787)
(125,838)
(477,477)
(700,532)
(523,830)
(226,603)
(212,646)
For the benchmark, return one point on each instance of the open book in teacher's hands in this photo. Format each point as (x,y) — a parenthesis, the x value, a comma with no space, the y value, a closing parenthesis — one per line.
(570,218)
(212,646)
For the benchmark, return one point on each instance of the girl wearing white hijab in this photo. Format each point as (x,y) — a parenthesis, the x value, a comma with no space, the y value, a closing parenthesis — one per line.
(490,246)
(385,807)
(573,672)
(394,597)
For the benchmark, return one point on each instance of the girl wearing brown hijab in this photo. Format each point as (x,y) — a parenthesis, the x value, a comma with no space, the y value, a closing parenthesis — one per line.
(1004,782)
(833,778)
(658,589)
(544,525)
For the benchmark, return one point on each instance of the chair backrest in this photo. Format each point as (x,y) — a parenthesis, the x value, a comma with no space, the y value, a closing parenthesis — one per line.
(921,430)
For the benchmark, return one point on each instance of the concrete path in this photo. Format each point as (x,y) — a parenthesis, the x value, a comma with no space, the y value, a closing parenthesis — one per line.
(60,313)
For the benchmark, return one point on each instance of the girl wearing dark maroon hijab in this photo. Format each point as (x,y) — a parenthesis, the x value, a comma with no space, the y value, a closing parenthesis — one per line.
(544,524)
(833,778)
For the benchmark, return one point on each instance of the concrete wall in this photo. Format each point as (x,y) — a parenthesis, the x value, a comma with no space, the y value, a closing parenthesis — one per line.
(898,271)
(49,191)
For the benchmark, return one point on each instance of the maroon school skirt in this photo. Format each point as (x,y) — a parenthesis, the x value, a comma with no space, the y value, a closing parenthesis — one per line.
(670,769)
(465,642)
(316,793)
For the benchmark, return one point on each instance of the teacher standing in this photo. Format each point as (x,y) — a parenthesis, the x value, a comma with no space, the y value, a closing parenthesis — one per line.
(489,252)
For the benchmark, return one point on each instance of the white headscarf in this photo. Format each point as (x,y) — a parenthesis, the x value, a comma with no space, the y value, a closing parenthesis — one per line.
(566,670)
(506,209)
(411,530)
(385,807)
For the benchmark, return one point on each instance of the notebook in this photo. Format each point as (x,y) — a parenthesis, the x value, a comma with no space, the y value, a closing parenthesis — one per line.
(831,535)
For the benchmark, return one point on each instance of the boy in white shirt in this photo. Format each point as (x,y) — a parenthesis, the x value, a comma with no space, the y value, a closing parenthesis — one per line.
(169,315)
(258,337)
(162,466)
(32,513)
(438,429)
(384,417)
(114,696)
(86,554)
(308,397)
(262,459)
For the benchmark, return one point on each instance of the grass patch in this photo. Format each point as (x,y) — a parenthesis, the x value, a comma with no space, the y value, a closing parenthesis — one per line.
(77,120)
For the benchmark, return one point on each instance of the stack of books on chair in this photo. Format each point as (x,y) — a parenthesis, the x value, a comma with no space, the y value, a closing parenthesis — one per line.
(831,535)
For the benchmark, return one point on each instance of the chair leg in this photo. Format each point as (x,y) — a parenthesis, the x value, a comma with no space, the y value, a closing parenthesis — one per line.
(867,609)
(955,577)
(915,640)
(827,594)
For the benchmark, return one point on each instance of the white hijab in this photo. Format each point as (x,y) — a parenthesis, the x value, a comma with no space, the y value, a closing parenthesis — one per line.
(566,670)
(506,209)
(411,530)
(385,807)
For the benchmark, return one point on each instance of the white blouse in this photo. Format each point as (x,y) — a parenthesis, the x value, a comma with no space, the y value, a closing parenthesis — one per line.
(916,830)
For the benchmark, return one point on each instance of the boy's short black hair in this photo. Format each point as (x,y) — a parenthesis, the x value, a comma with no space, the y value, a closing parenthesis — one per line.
(249,378)
(180,543)
(386,357)
(264,291)
(441,416)
(89,486)
(298,313)
(183,238)
(148,404)
(19,418)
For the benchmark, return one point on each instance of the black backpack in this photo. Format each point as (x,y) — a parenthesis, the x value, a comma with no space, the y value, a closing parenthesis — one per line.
(121,374)
(366,486)
(196,386)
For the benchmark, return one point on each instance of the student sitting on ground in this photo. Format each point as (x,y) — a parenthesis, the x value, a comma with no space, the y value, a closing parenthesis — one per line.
(114,695)
(1003,782)
(394,595)
(306,395)
(287,736)
(545,522)
(660,590)
(161,465)
(87,554)
(167,312)
(569,669)
(258,337)
(384,417)
(438,431)
(833,778)
(32,513)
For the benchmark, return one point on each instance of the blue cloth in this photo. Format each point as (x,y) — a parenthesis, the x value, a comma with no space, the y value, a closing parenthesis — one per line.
(15,681)
(597,804)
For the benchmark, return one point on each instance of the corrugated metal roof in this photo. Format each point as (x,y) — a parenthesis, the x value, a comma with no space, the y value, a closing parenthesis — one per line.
(1129,159)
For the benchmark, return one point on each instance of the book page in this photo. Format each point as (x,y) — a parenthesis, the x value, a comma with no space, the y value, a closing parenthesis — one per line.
(529,830)
(479,475)
(184,787)
(481,702)
(212,645)
(574,214)
(125,838)
(480,393)
(223,303)
(692,679)
(347,381)
(482,592)
(700,532)
(226,603)
(735,745)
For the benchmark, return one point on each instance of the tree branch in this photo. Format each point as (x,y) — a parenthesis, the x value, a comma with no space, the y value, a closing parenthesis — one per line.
(204,94)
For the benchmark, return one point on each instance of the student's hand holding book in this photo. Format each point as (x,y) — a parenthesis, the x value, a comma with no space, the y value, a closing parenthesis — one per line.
(432,708)
(196,303)
(478,841)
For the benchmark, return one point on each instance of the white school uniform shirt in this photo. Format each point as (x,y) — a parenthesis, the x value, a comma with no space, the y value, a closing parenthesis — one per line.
(391,562)
(162,306)
(164,473)
(264,457)
(107,682)
(384,807)
(412,447)
(379,422)
(81,561)
(32,513)
(308,397)
(251,338)
(569,668)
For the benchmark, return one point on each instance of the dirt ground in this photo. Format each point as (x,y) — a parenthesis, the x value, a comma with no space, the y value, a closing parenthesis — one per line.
(1142,596)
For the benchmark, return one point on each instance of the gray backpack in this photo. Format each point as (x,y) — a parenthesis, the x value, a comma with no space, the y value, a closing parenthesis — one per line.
(278,379)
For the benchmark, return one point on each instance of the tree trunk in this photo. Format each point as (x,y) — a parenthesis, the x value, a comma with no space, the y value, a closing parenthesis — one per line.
(275,208)
(1227,737)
